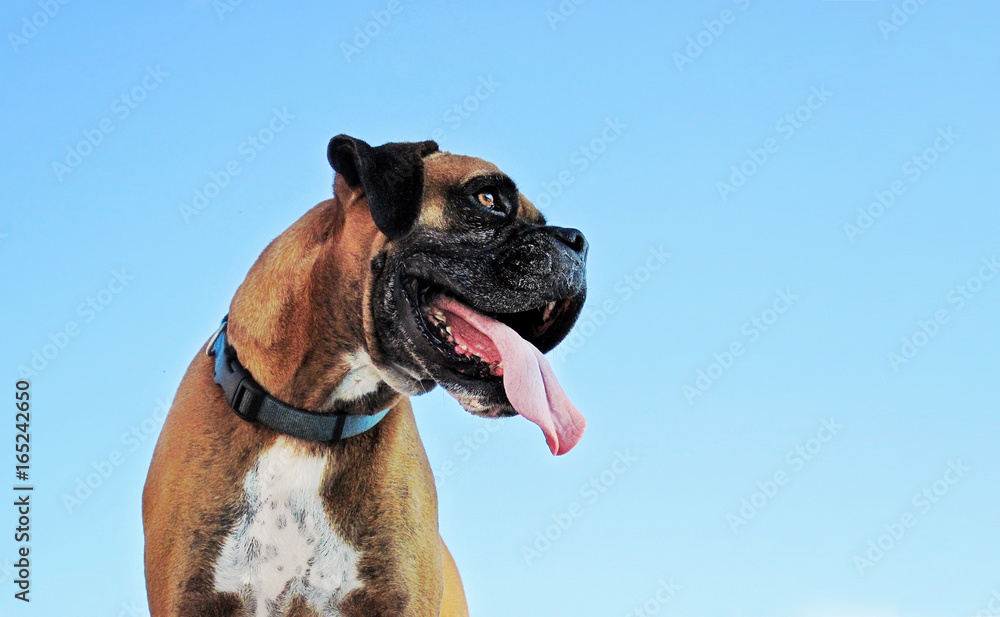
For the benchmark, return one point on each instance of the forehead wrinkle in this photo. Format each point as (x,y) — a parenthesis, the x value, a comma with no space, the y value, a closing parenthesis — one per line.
(449,169)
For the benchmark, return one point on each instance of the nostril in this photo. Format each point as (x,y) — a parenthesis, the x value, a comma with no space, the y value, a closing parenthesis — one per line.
(573,238)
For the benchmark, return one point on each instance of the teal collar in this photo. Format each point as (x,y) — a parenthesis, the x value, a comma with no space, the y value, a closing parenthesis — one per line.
(252,403)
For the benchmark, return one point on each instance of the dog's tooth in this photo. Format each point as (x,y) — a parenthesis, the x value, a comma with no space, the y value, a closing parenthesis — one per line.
(548,310)
(447,329)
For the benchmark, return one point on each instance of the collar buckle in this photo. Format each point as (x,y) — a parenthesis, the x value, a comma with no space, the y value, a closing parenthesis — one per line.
(242,393)
(247,400)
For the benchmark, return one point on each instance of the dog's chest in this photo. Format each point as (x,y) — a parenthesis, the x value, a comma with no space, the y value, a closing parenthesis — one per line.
(282,545)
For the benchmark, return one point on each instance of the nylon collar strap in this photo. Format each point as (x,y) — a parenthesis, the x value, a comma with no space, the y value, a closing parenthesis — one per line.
(252,403)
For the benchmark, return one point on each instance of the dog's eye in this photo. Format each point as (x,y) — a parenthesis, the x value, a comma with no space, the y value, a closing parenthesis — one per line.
(486,199)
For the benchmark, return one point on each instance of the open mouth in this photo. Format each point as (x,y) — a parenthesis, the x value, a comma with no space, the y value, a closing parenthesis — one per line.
(463,347)
(496,357)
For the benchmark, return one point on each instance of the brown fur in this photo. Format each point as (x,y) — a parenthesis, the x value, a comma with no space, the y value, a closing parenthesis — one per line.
(302,307)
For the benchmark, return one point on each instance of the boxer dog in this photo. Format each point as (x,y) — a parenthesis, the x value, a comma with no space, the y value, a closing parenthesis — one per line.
(289,478)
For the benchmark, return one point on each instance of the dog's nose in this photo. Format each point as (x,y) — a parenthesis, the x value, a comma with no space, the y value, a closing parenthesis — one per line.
(573,238)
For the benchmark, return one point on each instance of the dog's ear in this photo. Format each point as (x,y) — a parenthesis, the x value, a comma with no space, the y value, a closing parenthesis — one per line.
(392,176)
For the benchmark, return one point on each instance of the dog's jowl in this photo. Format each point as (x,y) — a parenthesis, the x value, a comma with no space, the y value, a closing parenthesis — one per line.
(289,478)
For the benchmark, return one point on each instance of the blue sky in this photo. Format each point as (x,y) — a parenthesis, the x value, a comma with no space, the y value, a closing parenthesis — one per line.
(789,355)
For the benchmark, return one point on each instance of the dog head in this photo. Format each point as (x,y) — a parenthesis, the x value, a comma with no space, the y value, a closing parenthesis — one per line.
(466,281)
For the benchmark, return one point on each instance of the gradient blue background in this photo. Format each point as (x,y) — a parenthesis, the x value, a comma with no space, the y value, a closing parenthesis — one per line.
(665,517)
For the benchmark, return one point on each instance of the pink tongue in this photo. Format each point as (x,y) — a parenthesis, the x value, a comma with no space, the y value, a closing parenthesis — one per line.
(528,379)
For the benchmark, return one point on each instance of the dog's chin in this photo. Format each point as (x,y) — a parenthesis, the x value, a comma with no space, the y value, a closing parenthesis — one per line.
(484,398)
(474,377)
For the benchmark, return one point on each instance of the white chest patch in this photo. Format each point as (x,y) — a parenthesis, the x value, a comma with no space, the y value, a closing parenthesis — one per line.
(282,545)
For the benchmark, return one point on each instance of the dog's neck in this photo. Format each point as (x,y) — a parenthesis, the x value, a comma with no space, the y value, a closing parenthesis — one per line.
(287,342)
